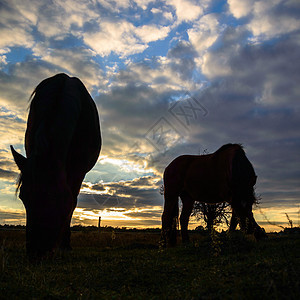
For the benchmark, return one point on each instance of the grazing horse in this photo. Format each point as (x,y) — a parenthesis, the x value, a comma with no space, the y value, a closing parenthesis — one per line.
(62,144)
(224,176)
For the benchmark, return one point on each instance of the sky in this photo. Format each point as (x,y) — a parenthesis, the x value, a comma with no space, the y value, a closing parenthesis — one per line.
(169,78)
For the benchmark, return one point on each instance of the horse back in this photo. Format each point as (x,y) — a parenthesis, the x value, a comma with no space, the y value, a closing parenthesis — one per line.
(207,179)
(175,173)
(210,178)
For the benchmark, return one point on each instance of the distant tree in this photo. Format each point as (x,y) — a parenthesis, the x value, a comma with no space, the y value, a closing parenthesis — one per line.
(212,214)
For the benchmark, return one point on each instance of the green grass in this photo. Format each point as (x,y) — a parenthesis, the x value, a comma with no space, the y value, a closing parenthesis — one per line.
(130,265)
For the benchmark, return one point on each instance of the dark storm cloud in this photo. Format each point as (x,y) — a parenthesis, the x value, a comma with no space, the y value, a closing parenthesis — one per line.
(250,68)
(116,209)
(138,193)
(19,83)
(140,199)
(279,199)
(6,163)
(277,64)
(137,110)
(257,104)
(98,187)
(22,78)
(254,105)
(145,214)
(8,175)
(8,169)
(12,217)
(183,60)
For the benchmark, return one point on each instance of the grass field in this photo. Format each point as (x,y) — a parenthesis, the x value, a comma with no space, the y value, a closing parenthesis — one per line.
(130,265)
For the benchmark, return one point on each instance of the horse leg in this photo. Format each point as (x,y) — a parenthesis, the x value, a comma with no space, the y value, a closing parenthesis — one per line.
(169,219)
(254,228)
(187,207)
(233,221)
(248,223)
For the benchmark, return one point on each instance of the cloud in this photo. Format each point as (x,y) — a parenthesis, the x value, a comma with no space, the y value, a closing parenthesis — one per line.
(239,108)
(15,26)
(137,108)
(187,10)
(3,60)
(143,3)
(272,22)
(61,18)
(147,214)
(268,19)
(11,131)
(215,63)
(255,103)
(131,203)
(151,33)
(123,38)
(8,175)
(142,94)
(182,61)
(97,24)
(12,216)
(137,193)
(167,15)
(138,59)
(79,63)
(278,77)
(204,32)
(114,36)
(18,84)
(240,9)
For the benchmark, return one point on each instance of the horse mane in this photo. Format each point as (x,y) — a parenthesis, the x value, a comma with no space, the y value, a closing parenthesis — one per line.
(52,85)
(48,91)
(243,171)
(44,102)
(241,166)
(228,146)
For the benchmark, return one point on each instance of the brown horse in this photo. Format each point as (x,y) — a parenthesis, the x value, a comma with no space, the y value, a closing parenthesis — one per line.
(224,176)
(62,144)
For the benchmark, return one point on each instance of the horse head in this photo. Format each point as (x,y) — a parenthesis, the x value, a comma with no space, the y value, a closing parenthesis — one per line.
(48,201)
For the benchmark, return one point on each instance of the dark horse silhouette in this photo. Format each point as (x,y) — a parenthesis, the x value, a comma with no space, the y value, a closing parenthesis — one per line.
(224,176)
(62,144)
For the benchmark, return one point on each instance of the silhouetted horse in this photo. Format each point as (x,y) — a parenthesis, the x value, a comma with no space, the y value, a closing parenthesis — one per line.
(62,144)
(224,176)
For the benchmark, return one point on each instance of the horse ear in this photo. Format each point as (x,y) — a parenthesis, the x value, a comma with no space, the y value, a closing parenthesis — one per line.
(19,159)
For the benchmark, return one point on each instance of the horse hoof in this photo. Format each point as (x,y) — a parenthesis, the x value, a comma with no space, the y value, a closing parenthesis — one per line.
(260,234)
